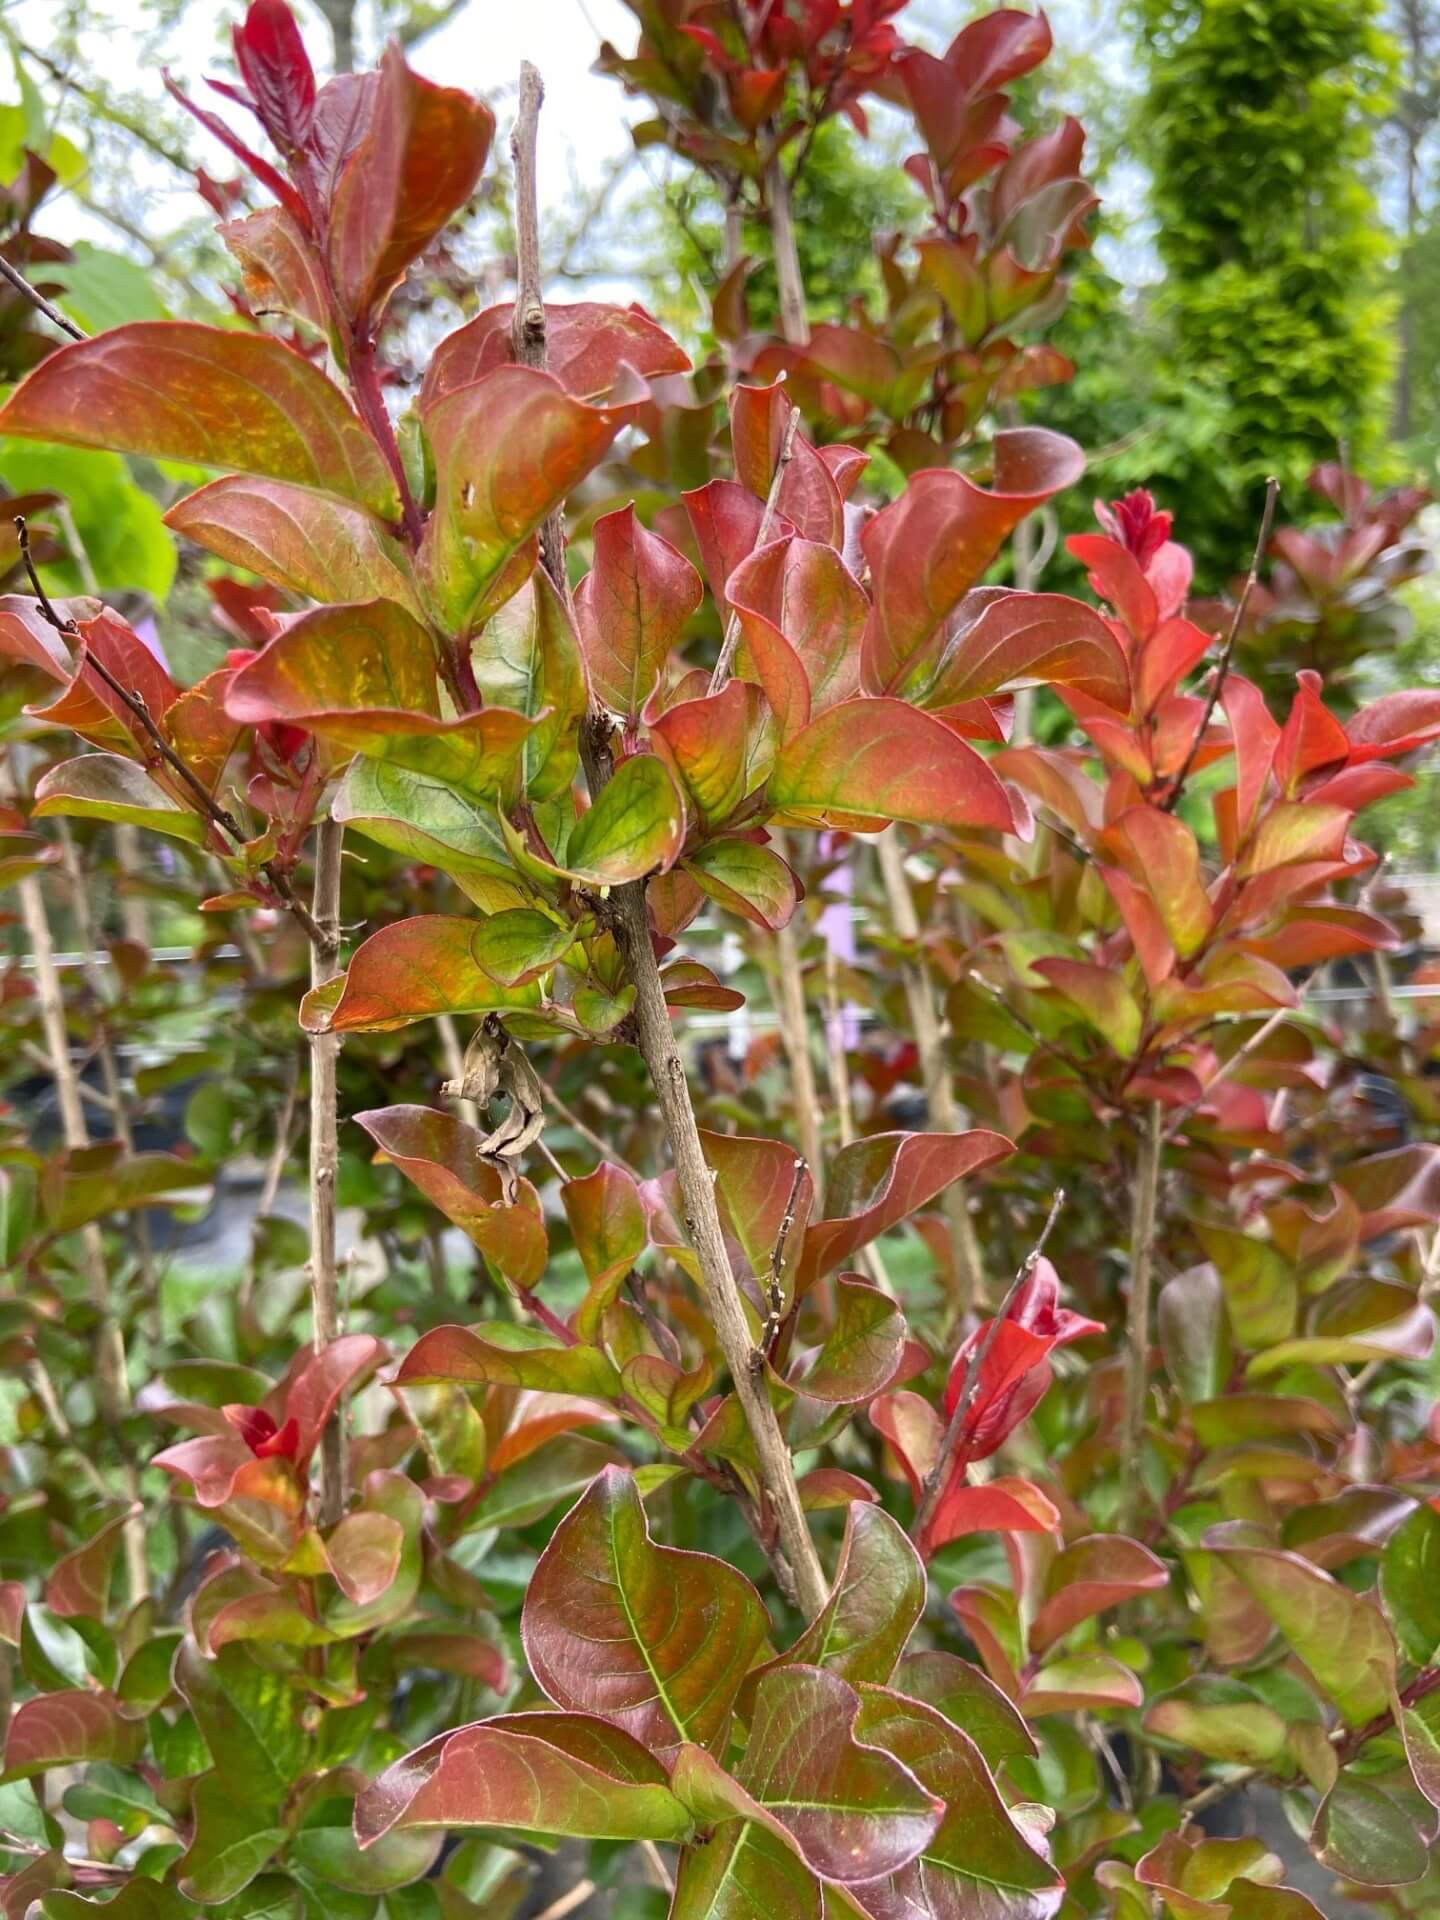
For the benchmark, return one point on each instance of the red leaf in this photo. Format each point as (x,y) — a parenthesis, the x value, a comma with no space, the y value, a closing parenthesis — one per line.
(931,545)
(275,67)
(586,347)
(424,152)
(878,1182)
(1006,1505)
(1026,638)
(631,609)
(68,1729)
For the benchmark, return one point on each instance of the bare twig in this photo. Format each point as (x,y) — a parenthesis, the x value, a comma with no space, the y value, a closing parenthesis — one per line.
(324,1158)
(726,658)
(568,1902)
(838,1066)
(605,1148)
(37,300)
(793,1015)
(205,801)
(1222,670)
(793,321)
(950,1446)
(1137,1335)
(944,1111)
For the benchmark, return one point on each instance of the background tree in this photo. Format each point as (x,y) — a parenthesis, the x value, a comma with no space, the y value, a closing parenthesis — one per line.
(1259,126)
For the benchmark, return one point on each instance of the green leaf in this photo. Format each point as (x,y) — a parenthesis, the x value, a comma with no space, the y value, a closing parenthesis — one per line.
(655,1639)
(101,290)
(248,1717)
(233,1840)
(541,1480)
(1261,1291)
(421,817)
(636,827)
(744,1872)
(527,658)
(1374,1830)
(1410,1584)
(119,526)
(103,786)
(236,400)
(1222,1719)
(1194,1334)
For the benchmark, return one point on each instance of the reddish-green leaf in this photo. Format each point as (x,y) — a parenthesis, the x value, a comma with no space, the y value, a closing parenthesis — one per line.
(876,1599)
(1340,1636)
(308,542)
(1101,998)
(528,659)
(862,1347)
(611,1232)
(364,677)
(707,740)
(878,1182)
(1021,639)
(559,1773)
(79,1584)
(979,1861)
(1097,1572)
(749,880)
(68,1729)
(970,1701)
(103,786)
(507,452)
(854,1812)
(631,609)
(440,1153)
(1160,855)
(655,1639)
(867,762)
(798,601)
(411,970)
(220,397)
(499,1353)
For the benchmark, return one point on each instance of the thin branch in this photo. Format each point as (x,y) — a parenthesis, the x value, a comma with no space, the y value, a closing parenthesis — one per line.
(324,1159)
(568,1117)
(1267,520)
(205,801)
(41,305)
(726,659)
(950,1446)
(1137,1334)
(652,1015)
